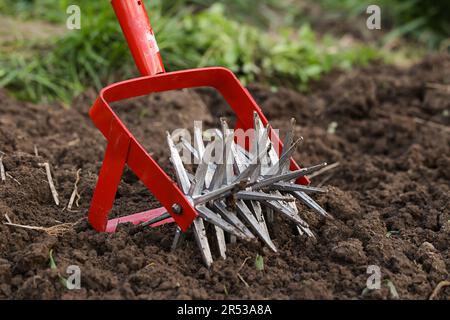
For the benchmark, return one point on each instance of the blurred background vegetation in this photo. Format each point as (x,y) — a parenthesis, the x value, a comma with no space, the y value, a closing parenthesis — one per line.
(276,42)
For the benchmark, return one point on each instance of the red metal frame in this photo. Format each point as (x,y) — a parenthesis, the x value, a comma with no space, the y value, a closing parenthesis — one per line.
(123,148)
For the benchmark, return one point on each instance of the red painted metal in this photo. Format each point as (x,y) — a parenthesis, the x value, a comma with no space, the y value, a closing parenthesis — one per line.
(141,39)
(123,148)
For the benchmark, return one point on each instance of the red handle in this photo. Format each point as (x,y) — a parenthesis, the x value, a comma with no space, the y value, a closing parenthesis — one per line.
(141,40)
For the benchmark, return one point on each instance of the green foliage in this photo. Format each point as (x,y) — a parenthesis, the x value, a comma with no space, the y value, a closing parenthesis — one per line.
(424,20)
(97,54)
(259,263)
(53,266)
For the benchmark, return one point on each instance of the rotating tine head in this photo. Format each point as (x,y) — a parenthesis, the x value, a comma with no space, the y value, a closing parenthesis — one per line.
(240,196)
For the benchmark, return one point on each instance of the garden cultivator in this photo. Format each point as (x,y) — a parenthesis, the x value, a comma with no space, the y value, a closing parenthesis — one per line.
(237,186)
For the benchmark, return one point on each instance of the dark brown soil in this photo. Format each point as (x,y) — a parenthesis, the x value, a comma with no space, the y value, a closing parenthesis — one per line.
(389,196)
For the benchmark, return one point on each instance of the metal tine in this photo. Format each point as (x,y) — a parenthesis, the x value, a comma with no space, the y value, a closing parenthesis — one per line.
(258,131)
(252,167)
(287,211)
(232,218)
(191,177)
(240,161)
(287,176)
(243,152)
(260,137)
(258,123)
(217,179)
(269,215)
(210,174)
(286,156)
(303,197)
(256,206)
(177,239)
(199,179)
(301,229)
(261,196)
(198,140)
(216,220)
(288,139)
(211,166)
(306,230)
(263,144)
(202,170)
(256,172)
(220,236)
(181,173)
(251,220)
(228,158)
(286,186)
(200,176)
(282,166)
(202,241)
(191,149)
(220,192)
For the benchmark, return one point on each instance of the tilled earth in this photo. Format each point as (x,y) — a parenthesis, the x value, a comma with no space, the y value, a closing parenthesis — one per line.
(387,128)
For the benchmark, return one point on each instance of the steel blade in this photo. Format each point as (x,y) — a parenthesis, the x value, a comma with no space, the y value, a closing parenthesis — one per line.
(216,220)
(303,197)
(232,218)
(200,236)
(245,212)
(180,171)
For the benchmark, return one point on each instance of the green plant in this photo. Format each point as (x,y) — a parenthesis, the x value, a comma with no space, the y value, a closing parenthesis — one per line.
(259,263)
(423,20)
(97,54)
(54,267)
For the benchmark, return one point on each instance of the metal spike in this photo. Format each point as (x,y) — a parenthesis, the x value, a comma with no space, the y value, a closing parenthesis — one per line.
(258,124)
(177,239)
(282,166)
(200,236)
(303,197)
(220,236)
(182,176)
(243,152)
(216,220)
(202,172)
(261,196)
(285,186)
(199,180)
(198,140)
(232,218)
(269,215)
(256,206)
(287,144)
(191,149)
(228,158)
(251,220)
(220,192)
(301,229)
(286,211)
(217,180)
(287,176)
(240,161)
(252,167)
(212,167)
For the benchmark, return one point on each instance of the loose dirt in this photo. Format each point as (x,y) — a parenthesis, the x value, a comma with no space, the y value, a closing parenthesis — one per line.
(388,128)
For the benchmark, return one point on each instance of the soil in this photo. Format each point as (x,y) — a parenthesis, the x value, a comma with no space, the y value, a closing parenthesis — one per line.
(388,128)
